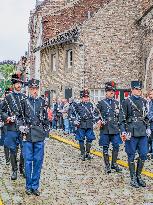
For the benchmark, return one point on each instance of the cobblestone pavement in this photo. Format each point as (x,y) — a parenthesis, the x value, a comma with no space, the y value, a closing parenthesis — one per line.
(66,180)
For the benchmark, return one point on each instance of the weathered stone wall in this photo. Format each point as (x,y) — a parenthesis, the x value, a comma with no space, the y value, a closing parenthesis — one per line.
(70,16)
(146,25)
(62,78)
(111,47)
(113,44)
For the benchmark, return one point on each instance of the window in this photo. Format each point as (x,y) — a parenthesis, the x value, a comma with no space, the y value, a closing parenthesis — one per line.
(53,62)
(97,94)
(69,1)
(69,58)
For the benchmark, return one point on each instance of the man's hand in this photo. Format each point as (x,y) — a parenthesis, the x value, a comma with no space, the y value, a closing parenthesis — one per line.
(124,136)
(148,131)
(8,120)
(76,122)
(99,123)
(1,124)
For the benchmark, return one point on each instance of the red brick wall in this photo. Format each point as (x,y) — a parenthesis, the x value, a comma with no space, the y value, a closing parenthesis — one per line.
(69,17)
(146,4)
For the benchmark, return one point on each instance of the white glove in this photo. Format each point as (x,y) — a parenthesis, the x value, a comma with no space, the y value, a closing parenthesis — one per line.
(95,125)
(128,136)
(23,129)
(1,124)
(76,122)
(13,118)
(124,134)
(148,131)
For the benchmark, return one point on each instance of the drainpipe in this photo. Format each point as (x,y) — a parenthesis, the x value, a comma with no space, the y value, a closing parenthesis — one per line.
(147,67)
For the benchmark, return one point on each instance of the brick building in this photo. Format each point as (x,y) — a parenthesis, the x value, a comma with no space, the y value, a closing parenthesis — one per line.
(35,30)
(88,42)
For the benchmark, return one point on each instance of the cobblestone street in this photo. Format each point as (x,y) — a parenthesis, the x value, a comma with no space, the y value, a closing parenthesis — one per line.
(66,180)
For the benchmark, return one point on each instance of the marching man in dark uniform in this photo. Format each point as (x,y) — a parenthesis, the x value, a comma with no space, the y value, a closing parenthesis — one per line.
(109,126)
(84,122)
(133,123)
(4,131)
(12,114)
(72,116)
(34,132)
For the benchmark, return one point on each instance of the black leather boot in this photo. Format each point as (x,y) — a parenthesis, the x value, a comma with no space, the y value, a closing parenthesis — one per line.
(133,182)
(21,166)
(36,192)
(88,147)
(82,149)
(14,166)
(140,166)
(114,165)
(7,155)
(107,164)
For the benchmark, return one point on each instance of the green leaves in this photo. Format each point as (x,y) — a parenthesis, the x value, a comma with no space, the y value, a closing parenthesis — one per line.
(7,70)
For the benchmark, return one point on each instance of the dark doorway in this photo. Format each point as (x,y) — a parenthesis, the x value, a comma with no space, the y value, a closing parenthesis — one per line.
(68,93)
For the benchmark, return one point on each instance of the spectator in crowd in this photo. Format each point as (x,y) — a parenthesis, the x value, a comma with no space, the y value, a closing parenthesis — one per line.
(146,96)
(54,113)
(59,113)
(65,112)
(72,115)
(50,115)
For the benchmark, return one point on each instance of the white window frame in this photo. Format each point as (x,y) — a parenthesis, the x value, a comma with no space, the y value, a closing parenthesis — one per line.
(53,62)
(69,58)
(97,94)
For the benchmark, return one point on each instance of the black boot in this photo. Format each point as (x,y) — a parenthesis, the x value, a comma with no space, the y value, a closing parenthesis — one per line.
(82,149)
(107,164)
(88,147)
(140,166)
(36,192)
(7,155)
(114,159)
(21,166)
(133,182)
(14,166)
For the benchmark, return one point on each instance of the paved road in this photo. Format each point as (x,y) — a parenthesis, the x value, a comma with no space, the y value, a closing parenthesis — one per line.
(66,180)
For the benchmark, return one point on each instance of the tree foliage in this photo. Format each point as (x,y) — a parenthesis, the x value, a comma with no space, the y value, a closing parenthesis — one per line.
(7,70)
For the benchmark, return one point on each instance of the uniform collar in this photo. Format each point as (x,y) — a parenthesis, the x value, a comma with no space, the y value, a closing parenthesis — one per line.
(136,97)
(109,99)
(32,98)
(16,92)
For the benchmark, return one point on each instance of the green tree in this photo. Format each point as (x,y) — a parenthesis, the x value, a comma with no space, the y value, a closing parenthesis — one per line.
(7,70)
